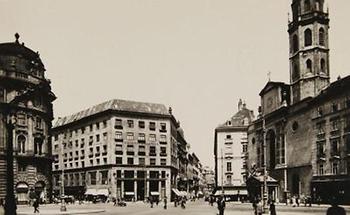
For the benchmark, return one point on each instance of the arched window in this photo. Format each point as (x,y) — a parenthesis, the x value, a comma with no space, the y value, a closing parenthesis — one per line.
(323,66)
(295,74)
(307,6)
(321,37)
(308,37)
(319,5)
(309,65)
(295,43)
(21,142)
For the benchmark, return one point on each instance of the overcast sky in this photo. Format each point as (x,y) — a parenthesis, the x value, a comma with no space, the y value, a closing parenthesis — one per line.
(197,56)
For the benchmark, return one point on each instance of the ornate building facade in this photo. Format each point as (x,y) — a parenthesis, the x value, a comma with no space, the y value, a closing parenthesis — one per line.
(23,73)
(300,135)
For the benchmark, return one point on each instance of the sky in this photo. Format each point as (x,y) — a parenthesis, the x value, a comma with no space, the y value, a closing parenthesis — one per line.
(197,56)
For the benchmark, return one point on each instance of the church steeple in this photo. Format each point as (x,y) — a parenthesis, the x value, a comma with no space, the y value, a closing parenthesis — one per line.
(309,49)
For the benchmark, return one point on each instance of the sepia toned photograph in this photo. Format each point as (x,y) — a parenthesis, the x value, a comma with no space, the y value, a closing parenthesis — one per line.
(152,107)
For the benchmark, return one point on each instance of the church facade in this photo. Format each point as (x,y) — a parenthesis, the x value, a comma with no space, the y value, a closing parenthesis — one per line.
(300,135)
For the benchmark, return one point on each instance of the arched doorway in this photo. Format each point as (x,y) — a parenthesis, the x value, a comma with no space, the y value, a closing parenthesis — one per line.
(22,192)
(271,146)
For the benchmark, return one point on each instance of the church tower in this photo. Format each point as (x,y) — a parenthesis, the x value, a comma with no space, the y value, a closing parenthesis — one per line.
(309,49)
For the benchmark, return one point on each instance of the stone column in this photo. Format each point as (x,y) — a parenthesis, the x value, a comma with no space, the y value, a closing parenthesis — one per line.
(135,189)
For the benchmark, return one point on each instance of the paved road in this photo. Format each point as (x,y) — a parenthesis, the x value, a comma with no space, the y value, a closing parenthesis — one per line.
(192,208)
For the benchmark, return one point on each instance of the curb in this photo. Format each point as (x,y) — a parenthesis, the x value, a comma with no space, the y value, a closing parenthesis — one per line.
(64,213)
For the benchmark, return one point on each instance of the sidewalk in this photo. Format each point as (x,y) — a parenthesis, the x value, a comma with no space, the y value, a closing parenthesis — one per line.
(55,209)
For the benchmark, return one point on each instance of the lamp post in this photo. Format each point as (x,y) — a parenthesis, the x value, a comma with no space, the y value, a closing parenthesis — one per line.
(63,202)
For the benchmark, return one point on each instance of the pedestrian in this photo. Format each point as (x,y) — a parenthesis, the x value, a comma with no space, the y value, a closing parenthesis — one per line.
(221,205)
(151,201)
(255,207)
(36,206)
(175,201)
(1,202)
(335,209)
(297,201)
(272,208)
(165,202)
(259,207)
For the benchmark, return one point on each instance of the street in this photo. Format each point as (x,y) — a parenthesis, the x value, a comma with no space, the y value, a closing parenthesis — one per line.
(192,208)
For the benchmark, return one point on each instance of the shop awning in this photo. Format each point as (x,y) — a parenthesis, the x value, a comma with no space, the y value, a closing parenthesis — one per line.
(102,192)
(183,193)
(243,192)
(155,193)
(129,193)
(22,186)
(91,191)
(176,191)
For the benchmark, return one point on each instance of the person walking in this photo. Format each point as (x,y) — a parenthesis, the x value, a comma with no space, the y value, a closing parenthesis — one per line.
(272,208)
(36,206)
(259,208)
(221,205)
(165,203)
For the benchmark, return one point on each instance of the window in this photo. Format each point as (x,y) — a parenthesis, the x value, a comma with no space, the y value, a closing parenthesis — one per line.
(92,176)
(152,137)
(130,161)
(334,107)
(142,150)
(141,124)
(334,147)
(97,125)
(335,125)
(229,166)
(104,177)
(91,127)
(229,179)
(119,160)
(118,124)
(320,169)
(82,144)
(320,149)
(38,123)
(163,139)
(321,37)
(245,148)
(163,127)
(82,130)
(130,123)
(228,136)
(104,124)
(335,168)
(105,136)
(130,136)
(162,151)
(163,162)
(152,161)
(21,119)
(97,138)
(118,135)
(119,147)
(323,66)
(152,151)
(307,5)
(38,143)
(309,66)
(296,74)
(141,161)
(21,142)
(152,126)
(295,43)
(308,37)
(319,111)
(130,148)
(22,167)
(141,138)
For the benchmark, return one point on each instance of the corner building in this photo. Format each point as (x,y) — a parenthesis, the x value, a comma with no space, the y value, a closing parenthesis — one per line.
(301,134)
(119,148)
(21,70)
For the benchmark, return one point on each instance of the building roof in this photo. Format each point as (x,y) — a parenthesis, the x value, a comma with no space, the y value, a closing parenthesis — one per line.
(270,85)
(116,105)
(241,119)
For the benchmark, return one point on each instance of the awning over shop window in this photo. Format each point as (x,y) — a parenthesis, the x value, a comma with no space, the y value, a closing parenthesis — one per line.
(91,191)
(129,193)
(176,191)
(231,192)
(155,193)
(102,192)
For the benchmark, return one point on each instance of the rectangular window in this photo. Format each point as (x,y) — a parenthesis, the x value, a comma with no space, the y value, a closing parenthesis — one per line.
(152,138)
(130,123)
(141,124)
(163,162)
(228,136)
(118,124)
(152,161)
(130,136)
(229,166)
(97,125)
(38,123)
(130,161)
(152,126)
(163,139)
(320,169)
(335,147)
(141,161)
(118,135)
(119,160)
(82,143)
(92,176)
(162,151)
(97,138)
(91,127)
(119,147)
(22,119)
(104,124)
(245,148)
(82,130)
(335,168)
(104,177)
(142,138)
(142,151)
(162,127)
(105,136)
(152,151)
(334,107)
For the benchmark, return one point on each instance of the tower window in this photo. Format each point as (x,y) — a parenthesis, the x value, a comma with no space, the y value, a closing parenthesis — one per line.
(307,5)
(319,5)
(323,66)
(295,43)
(321,37)
(309,66)
(308,37)
(296,74)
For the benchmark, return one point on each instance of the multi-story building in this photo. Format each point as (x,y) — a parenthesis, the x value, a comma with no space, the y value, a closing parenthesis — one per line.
(230,147)
(209,180)
(300,136)
(119,148)
(22,73)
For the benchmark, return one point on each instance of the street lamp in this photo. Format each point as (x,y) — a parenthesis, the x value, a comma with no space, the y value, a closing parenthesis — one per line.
(63,202)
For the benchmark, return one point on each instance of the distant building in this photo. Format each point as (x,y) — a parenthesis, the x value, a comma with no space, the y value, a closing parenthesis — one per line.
(301,134)
(230,147)
(209,180)
(21,69)
(119,148)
